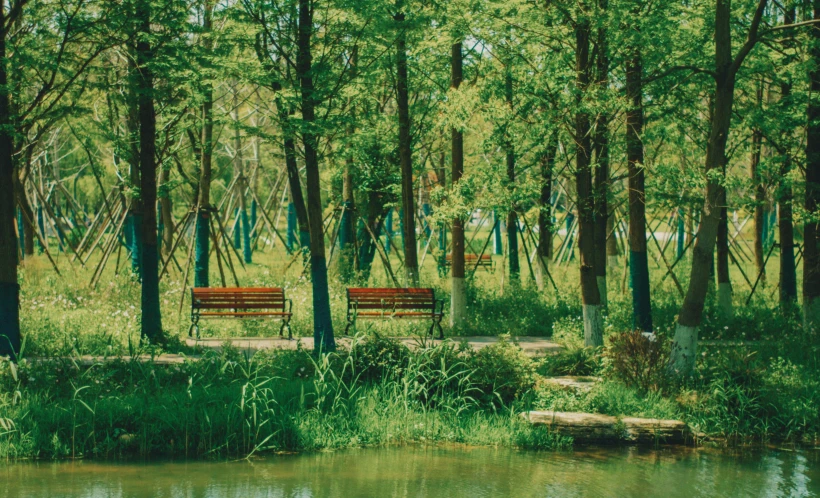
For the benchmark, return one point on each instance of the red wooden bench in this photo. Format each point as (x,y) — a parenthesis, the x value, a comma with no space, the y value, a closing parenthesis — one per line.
(387,303)
(472,261)
(240,302)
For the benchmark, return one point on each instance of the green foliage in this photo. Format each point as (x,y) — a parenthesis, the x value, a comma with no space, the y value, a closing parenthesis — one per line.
(638,361)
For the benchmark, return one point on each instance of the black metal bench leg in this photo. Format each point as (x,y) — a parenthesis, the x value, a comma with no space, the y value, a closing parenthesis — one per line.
(440,330)
(282,328)
(349,324)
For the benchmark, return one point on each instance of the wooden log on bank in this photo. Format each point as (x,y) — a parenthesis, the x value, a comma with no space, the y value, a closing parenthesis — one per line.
(596,428)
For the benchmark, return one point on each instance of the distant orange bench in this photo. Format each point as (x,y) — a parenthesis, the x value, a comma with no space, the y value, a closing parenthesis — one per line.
(388,303)
(485,261)
(240,302)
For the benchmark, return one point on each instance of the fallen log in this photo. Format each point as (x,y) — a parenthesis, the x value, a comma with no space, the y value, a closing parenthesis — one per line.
(596,428)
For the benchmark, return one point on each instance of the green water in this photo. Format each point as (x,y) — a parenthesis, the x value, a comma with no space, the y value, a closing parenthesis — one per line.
(444,472)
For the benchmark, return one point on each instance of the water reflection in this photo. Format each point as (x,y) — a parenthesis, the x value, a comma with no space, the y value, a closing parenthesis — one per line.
(446,472)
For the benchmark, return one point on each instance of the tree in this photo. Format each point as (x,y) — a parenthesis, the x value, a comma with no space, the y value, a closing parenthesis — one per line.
(724,74)
(458,296)
(149,266)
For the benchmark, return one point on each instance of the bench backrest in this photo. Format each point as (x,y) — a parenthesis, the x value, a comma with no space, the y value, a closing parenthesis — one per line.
(237,297)
(391,298)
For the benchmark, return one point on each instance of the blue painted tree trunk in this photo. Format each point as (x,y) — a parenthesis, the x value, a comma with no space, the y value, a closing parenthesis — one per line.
(388,229)
(498,248)
(291,235)
(681,233)
(639,282)
(136,244)
(20,228)
(246,238)
(202,249)
(41,226)
(253,218)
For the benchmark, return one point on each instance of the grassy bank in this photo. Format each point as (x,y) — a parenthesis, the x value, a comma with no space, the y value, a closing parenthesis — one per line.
(755,381)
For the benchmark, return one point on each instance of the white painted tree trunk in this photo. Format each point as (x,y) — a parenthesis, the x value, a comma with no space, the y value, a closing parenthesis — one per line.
(593,325)
(458,303)
(684,349)
(725,299)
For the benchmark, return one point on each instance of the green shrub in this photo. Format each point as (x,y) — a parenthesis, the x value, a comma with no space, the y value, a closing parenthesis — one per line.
(502,371)
(637,360)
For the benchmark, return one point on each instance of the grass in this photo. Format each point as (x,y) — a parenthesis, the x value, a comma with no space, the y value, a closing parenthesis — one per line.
(230,405)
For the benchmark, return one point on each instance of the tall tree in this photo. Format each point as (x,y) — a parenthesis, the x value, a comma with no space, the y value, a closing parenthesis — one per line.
(811,228)
(458,296)
(9,288)
(684,345)
(785,197)
(204,208)
(590,296)
(322,324)
(512,215)
(600,146)
(149,266)
(408,203)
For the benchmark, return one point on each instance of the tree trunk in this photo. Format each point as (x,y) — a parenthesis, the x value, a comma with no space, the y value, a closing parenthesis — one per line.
(322,324)
(545,212)
(591,298)
(760,195)
(203,209)
(512,216)
(134,222)
(411,264)
(151,318)
(638,260)
(241,183)
(166,217)
(458,296)
(785,225)
(684,346)
(724,281)
(600,146)
(347,233)
(9,288)
(811,229)
(28,217)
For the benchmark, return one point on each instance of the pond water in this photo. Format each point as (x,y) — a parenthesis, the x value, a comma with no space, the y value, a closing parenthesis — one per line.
(435,471)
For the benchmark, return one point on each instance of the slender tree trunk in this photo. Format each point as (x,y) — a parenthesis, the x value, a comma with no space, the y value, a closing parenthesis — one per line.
(512,216)
(590,295)
(600,146)
(167,220)
(322,324)
(28,217)
(204,209)
(684,346)
(347,232)
(458,296)
(724,281)
(811,229)
(760,195)
(151,318)
(134,222)
(9,288)
(545,212)
(241,183)
(411,264)
(785,225)
(638,260)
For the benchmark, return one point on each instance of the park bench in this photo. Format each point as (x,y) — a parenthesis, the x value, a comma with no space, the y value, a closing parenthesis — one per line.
(388,304)
(472,261)
(240,302)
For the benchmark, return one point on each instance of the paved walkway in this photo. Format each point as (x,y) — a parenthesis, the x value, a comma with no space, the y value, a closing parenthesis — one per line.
(532,346)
